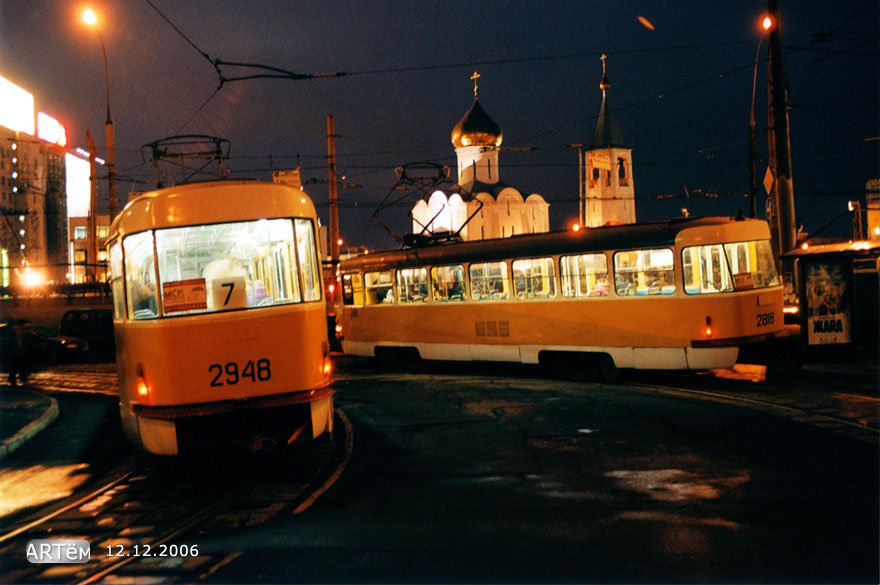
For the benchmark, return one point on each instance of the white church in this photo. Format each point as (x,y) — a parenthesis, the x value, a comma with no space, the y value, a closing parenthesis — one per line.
(504,212)
(606,191)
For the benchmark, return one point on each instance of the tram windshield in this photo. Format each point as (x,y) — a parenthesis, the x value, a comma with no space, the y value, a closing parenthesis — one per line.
(219,267)
(728,267)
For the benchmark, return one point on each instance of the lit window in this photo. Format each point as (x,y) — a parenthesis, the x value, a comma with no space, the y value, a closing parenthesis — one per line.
(352,289)
(79,232)
(584,275)
(379,287)
(448,283)
(644,272)
(489,281)
(412,285)
(534,278)
(723,268)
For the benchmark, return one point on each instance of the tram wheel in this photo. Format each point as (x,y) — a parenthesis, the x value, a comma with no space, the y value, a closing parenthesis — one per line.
(606,368)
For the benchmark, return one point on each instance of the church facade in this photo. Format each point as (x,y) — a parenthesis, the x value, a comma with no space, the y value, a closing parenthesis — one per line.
(494,208)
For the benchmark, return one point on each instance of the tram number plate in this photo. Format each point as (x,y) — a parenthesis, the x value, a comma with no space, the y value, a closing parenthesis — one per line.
(230,373)
(764,319)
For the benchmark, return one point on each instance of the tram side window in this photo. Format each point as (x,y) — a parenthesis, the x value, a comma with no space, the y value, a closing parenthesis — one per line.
(489,281)
(584,275)
(117,281)
(379,287)
(752,264)
(412,285)
(352,289)
(534,278)
(308,260)
(140,276)
(705,270)
(448,283)
(644,272)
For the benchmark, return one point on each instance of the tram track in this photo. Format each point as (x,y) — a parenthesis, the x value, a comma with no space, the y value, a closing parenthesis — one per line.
(800,407)
(146,520)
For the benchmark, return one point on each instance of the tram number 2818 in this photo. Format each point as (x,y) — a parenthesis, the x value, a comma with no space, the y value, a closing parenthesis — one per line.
(764,319)
(258,371)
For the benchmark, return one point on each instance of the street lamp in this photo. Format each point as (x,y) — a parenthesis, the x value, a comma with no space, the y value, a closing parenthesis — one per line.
(766,25)
(90,18)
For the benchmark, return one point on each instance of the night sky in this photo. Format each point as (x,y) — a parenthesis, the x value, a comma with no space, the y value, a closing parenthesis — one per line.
(681,92)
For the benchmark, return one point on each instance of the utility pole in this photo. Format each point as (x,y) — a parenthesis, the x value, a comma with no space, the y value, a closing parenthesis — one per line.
(780,143)
(92,253)
(111,166)
(331,180)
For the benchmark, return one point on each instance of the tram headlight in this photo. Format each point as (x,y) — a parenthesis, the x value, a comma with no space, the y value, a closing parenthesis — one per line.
(708,330)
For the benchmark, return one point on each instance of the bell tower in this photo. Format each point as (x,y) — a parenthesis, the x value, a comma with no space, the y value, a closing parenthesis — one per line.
(606,180)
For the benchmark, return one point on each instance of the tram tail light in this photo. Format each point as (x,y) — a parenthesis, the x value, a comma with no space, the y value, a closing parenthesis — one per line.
(143,389)
(326,366)
(708,330)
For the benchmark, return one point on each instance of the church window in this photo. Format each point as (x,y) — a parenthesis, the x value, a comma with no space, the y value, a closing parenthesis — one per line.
(622,179)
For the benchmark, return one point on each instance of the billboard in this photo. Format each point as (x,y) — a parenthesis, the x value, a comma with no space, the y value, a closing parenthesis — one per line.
(78,186)
(51,130)
(827,296)
(16,107)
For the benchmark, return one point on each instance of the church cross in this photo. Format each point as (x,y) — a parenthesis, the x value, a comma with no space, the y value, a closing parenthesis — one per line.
(475,76)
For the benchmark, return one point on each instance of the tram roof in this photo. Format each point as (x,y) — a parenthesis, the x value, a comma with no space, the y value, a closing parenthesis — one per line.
(211,202)
(613,237)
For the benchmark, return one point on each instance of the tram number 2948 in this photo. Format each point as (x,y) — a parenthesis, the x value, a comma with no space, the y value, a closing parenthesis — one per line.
(229,374)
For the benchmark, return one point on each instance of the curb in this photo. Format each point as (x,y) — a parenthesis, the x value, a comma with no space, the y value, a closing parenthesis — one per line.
(28,431)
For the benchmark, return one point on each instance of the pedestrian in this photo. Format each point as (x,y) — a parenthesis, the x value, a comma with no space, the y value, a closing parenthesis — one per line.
(13,350)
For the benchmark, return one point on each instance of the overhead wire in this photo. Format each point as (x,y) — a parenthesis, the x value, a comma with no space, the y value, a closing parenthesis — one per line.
(363,169)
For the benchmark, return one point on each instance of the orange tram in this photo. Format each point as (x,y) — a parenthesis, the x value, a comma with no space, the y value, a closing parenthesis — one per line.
(219,315)
(679,294)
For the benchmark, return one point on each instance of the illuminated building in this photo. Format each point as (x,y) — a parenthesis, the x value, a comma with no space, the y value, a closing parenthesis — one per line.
(34,188)
(504,212)
(606,180)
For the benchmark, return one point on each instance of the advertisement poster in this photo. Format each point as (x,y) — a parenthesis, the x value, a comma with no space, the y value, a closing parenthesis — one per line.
(184,295)
(828,311)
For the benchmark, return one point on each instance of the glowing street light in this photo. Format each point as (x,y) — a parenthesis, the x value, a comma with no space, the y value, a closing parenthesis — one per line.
(766,25)
(91,19)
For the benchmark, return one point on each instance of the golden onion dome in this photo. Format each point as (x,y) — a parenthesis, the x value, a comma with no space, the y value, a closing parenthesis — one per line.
(476,128)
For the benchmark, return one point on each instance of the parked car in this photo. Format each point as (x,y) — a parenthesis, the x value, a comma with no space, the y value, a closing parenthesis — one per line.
(59,348)
(93,325)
